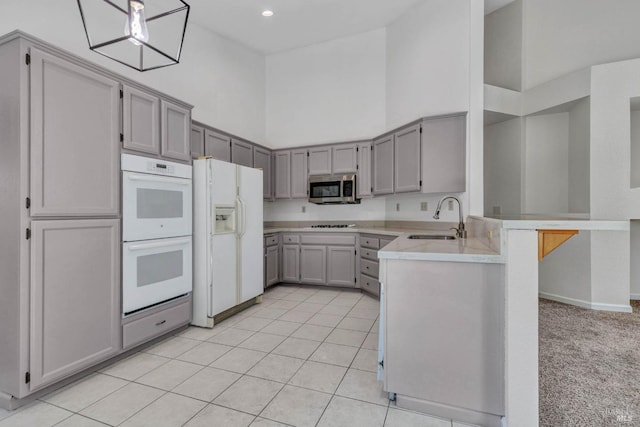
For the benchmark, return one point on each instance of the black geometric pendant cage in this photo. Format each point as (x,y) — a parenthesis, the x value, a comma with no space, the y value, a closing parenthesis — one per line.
(141,34)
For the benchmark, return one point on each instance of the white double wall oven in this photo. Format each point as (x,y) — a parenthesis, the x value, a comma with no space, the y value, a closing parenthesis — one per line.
(156,232)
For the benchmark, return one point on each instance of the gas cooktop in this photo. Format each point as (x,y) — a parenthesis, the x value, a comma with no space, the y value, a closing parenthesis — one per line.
(333,225)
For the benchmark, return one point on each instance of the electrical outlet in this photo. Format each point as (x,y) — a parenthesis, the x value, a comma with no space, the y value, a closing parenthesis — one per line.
(304,209)
(423,206)
(497,210)
(397,207)
(490,234)
(450,205)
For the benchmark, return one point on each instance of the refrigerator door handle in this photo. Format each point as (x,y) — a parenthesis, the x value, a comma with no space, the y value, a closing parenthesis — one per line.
(243,217)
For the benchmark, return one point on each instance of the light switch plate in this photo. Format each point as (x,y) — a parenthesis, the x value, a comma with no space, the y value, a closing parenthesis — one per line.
(423,206)
(397,207)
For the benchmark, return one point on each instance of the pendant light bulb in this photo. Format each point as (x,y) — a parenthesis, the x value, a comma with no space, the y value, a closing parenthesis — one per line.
(136,24)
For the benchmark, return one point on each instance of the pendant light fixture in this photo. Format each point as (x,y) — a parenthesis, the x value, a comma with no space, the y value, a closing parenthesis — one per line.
(141,34)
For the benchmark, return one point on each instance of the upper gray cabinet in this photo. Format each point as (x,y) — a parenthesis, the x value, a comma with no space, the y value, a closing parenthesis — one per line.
(345,158)
(176,131)
(282,169)
(299,177)
(140,120)
(262,160)
(383,165)
(75,139)
(241,152)
(197,141)
(407,160)
(444,142)
(217,145)
(363,182)
(320,160)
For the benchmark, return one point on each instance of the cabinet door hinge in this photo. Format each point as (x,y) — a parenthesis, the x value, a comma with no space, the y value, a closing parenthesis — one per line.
(372,148)
(27,59)
(381,363)
(420,183)
(357,149)
(355,280)
(121,137)
(307,154)
(420,130)
(27,378)
(28,233)
(355,252)
(121,94)
(27,202)
(357,166)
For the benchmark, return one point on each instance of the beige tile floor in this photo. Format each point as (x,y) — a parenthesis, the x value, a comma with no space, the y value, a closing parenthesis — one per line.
(304,357)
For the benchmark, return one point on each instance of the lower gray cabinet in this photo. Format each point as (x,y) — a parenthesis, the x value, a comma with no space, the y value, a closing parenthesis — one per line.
(341,266)
(271,261)
(291,263)
(75,297)
(313,264)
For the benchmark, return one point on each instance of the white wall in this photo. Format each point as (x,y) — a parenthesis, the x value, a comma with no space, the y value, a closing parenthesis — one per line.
(635,149)
(503,47)
(328,92)
(503,167)
(225,80)
(546,182)
(579,171)
(410,208)
(565,36)
(291,210)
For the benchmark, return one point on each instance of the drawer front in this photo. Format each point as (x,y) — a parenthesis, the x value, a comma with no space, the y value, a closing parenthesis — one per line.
(290,238)
(384,241)
(328,239)
(156,324)
(369,284)
(369,242)
(270,240)
(367,253)
(369,267)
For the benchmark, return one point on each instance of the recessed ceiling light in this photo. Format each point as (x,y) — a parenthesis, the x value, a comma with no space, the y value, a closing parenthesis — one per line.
(267,13)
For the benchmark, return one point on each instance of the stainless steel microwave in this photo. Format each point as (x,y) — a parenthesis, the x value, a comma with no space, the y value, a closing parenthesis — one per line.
(332,189)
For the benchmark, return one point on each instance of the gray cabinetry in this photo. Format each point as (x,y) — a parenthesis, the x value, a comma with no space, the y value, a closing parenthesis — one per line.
(407,160)
(341,266)
(140,121)
(320,161)
(313,264)
(444,142)
(241,153)
(363,183)
(217,145)
(345,158)
(282,181)
(383,165)
(369,267)
(197,141)
(262,160)
(271,260)
(75,296)
(75,139)
(176,131)
(290,263)
(299,176)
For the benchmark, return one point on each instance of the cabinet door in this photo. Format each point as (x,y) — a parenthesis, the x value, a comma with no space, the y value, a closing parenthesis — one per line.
(140,121)
(176,131)
(364,170)
(444,149)
(407,160)
(291,263)
(197,141)
(341,265)
(262,160)
(320,161)
(313,264)
(75,139)
(282,163)
(241,153)
(299,177)
(345,158)
(75,296)
(383,165)
(271,265)
(217,145)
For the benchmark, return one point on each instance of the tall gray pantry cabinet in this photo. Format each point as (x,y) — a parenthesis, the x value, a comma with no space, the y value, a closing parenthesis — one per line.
(59,225)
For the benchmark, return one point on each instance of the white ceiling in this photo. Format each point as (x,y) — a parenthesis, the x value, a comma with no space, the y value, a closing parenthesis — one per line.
(298,23)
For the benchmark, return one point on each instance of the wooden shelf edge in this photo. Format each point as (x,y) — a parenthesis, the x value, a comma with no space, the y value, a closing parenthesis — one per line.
(549,240)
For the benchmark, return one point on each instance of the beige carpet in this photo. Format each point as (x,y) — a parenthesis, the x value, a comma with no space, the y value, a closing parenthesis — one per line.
(589,366)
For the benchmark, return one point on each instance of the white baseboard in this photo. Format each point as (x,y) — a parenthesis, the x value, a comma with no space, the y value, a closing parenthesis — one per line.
(635,296)
(586,304)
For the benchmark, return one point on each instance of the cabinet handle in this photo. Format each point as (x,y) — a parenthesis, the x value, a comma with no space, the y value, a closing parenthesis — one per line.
(162,322)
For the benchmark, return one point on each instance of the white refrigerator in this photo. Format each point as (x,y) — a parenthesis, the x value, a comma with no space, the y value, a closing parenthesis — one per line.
(227,237)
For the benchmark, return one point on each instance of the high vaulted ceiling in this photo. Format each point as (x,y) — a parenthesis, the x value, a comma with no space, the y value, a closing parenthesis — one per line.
(298,23)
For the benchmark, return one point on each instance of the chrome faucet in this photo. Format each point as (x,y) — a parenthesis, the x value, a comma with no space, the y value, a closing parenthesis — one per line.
(460,231)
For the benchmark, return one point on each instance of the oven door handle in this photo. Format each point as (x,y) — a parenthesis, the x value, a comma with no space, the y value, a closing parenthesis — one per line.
(167,180)
(153,245)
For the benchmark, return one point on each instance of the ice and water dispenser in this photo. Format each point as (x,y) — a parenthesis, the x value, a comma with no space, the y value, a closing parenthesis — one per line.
(225,220)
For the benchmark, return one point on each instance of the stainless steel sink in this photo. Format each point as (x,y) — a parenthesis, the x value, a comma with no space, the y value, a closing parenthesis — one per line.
(432,236)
